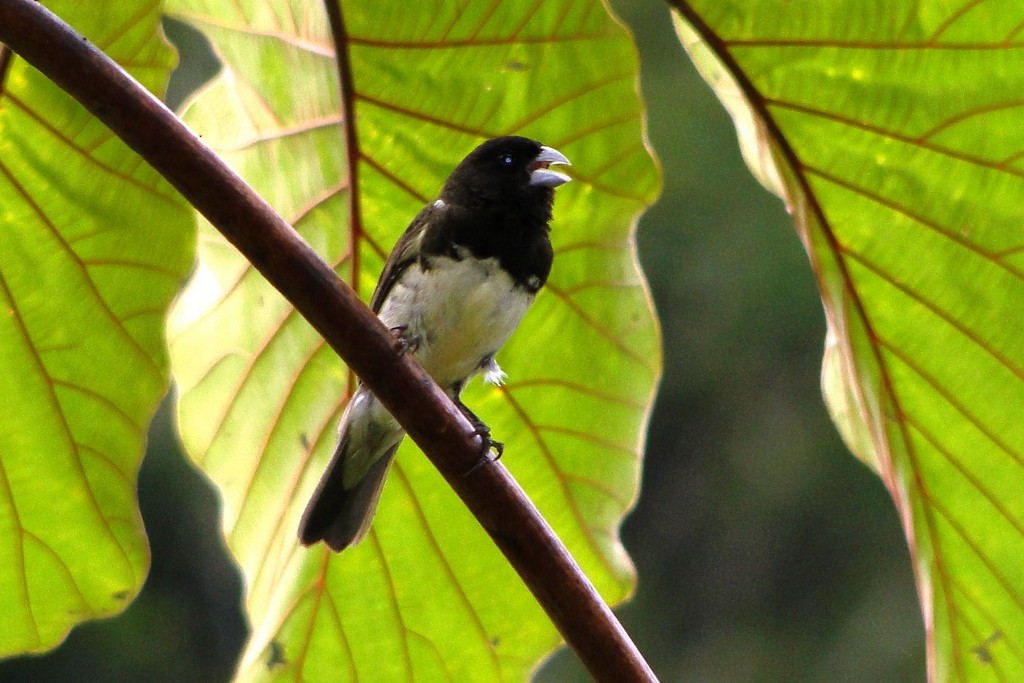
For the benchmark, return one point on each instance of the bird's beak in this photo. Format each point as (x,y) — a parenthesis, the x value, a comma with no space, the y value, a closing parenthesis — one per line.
(541,175)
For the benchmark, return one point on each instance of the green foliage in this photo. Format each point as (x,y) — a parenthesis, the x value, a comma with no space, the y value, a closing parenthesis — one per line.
(95,245)
(427,592)
(894,138)
(890,133)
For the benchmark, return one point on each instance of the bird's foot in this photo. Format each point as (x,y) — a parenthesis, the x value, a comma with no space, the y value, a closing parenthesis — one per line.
(481,430)
(489,444)
(408,343)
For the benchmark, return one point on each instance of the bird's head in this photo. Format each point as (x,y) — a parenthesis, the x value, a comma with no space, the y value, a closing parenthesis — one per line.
(506,170)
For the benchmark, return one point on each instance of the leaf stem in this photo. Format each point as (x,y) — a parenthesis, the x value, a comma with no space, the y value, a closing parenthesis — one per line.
(347,96)
(336,312)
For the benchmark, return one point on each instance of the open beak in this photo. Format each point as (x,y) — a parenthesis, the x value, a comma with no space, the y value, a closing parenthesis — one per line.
(541,174)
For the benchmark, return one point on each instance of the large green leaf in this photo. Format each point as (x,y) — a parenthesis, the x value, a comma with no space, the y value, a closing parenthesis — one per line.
(94,246)
(348,147)
(895,138)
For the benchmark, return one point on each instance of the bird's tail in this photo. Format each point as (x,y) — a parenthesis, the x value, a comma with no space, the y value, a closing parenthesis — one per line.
(342,507)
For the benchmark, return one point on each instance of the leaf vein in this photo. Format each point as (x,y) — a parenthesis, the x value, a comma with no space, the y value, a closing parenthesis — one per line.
(573,386)
(953,17)
(925,222)
(1011,591)
(389,580)
(397,181)
(87,155)
(446,564)
(283,132)
(321,49)
(590,322)
(945,316)
(920,141)
(425,117)
(951,399)
(559,476)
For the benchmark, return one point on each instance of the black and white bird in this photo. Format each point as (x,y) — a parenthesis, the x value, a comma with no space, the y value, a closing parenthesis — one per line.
(454,289)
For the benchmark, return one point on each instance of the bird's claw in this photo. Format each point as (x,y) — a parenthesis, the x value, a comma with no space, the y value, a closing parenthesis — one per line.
(484,432)
(498,448)
(489,445)
(407,343)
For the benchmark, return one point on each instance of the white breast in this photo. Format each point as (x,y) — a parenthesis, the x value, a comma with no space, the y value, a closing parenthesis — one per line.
(460,311)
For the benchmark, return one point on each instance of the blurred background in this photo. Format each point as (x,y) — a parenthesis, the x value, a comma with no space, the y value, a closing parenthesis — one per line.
(765,551)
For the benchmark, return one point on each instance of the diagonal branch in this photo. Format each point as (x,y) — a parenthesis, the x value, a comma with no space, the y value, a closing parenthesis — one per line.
(336,312)
(5,64)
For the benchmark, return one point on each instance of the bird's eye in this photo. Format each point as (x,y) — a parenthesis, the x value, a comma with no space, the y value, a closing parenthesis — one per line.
(506,158)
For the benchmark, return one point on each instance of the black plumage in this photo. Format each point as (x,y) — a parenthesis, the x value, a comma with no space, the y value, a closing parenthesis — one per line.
(454,288)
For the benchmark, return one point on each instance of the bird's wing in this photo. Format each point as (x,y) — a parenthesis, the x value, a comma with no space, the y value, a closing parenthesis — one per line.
(406,251)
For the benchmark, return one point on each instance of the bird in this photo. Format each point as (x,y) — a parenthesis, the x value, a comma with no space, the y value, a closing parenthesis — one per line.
(453,290)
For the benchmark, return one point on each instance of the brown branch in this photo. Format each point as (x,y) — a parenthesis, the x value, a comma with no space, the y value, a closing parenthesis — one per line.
(5,64)
(278,252)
